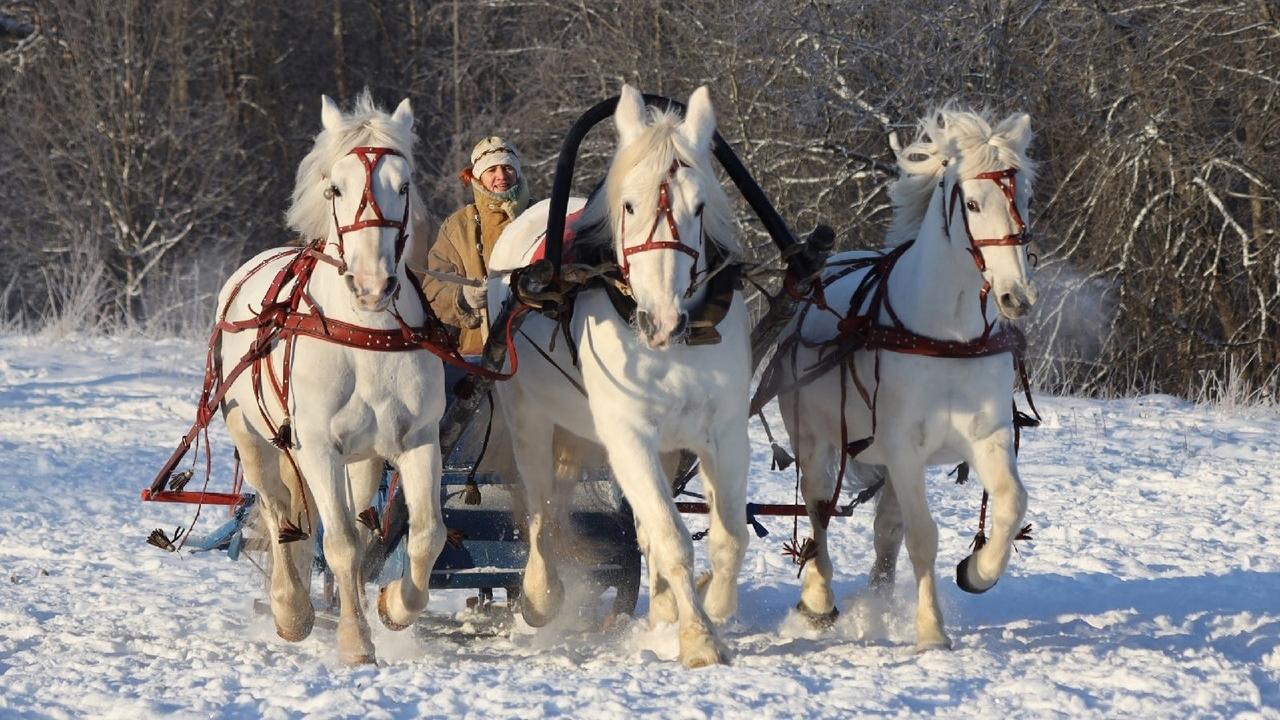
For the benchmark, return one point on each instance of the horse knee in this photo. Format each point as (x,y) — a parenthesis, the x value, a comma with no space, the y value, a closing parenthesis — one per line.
(922,541)
(427,542)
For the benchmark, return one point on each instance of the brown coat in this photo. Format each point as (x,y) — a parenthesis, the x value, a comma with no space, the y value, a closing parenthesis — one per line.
(463,247)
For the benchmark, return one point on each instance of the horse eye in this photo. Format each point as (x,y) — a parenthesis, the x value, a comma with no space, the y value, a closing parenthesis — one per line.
(701,207)
(630,210)
(972,205)
(332,192)
(404,189)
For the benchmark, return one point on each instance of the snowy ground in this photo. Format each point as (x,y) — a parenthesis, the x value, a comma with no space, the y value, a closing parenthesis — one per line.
(1152,588)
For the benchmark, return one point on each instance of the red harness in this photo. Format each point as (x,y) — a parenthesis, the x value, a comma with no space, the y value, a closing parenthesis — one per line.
(282,319)
(664,211)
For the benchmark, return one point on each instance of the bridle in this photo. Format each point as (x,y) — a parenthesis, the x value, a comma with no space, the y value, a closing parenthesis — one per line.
(369,157)
(1010,190)
(664,211)
(1007,180)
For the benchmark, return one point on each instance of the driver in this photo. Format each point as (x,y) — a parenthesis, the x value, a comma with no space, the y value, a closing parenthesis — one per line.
(467,237)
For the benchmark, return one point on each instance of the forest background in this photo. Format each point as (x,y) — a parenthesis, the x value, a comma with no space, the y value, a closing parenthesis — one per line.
(147,148)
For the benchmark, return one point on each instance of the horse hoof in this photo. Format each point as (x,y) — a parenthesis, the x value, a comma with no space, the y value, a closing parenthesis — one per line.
(962,578)
(699,650)
(385,614)
(939,643)
(817,620)
(361,659)
(536,618)
(297,634)
(300,629)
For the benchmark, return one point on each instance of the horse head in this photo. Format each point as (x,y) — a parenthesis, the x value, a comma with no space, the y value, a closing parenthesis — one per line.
(977,178)
(985,195)
(355,189)
(664,206)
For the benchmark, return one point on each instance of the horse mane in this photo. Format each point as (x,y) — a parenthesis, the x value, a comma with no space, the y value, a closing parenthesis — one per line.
(960,143)
(366,124)
(653,153)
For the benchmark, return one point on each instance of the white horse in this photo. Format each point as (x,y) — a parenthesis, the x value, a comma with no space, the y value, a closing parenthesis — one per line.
(965,232)
(663,214)
(347,409)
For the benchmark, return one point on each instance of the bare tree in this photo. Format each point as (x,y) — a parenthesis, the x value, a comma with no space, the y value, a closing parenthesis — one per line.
(165,135)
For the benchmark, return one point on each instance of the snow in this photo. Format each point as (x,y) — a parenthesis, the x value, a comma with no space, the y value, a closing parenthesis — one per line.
(1150,589)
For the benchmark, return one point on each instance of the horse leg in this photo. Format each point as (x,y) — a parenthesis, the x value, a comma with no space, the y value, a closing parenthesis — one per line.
(906,473)
(817,484)
(288,587)
(363,479)
(302,553)
(662,604)
(997,467)
(403,599)
(724,477)
(327,479)
(639,473)
(542,592)
(888,540)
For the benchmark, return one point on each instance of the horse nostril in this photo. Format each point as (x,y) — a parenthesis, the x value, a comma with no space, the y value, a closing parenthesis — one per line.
(351,282)
(1008,300)
(644,323)
(681,324)
(393,283)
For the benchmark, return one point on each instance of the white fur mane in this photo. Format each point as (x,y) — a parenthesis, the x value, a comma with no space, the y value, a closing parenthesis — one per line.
(366,124)
(652,152)
(960,143)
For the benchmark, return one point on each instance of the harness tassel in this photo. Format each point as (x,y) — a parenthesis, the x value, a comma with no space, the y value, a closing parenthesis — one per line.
(857,446)
(781,458)
(284,436)
(471,492)
(179,480)
(369,518)
(961,472)
(160,539)
(802,554)
(290,532)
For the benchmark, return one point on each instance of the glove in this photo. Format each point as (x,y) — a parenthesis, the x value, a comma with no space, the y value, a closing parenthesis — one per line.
(475,297)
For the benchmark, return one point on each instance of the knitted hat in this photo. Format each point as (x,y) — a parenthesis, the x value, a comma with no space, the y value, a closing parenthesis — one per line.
(494,151)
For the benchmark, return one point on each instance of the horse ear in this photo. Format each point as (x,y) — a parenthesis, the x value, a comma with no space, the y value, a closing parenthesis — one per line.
(1016,131)
(403,116)
(630,117)
(330,115)
(700,119)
